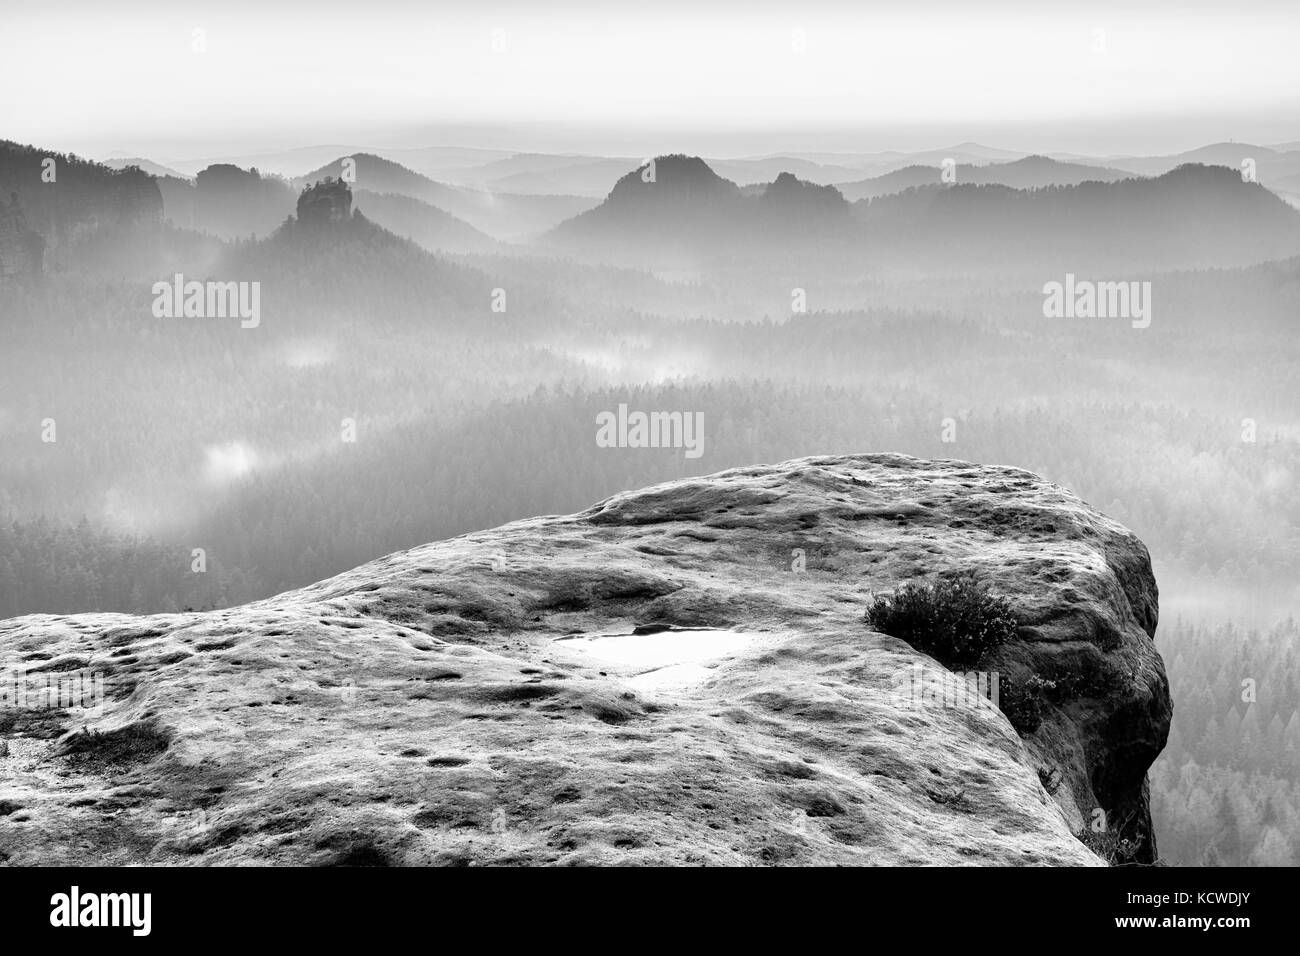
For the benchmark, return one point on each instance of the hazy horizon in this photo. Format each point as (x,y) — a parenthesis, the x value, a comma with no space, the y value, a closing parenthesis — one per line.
(1107,79)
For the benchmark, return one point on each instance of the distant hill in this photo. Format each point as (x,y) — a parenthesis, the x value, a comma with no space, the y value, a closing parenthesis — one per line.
(679,193)
(379,175)
(436,162)
(232,203)
(595,176)
(69,200)
(547,174)
(803,207)
(500,215)
(1288,187)
(968,154)
(764,170)
(1193,216)
(328,262)
(680,205)
(1213,154)
(592,176)
(1031,172)
(427,225)
(1270,166)
(228,202)
(148,165)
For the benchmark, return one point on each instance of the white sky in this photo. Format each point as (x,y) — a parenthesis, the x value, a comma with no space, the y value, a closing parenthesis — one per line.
(720,76)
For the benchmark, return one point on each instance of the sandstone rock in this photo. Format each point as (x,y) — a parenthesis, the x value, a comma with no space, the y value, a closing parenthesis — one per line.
(325,202)
(458,702)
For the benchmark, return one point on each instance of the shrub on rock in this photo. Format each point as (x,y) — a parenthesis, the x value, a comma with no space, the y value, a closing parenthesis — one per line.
(955,620)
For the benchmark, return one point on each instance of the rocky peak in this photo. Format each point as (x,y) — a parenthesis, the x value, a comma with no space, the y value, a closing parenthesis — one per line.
(794,202)
(325,203)
(672,185)
(477,700)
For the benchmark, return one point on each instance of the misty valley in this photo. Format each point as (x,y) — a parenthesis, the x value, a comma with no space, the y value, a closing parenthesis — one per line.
(298,373)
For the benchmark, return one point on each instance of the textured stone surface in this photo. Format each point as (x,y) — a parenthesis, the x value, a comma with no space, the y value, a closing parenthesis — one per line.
(423,708)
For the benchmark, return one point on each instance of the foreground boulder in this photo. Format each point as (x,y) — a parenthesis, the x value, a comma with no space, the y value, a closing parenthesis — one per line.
(485,700)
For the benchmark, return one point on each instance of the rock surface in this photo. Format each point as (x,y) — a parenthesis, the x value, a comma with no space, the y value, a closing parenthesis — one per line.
(427,708)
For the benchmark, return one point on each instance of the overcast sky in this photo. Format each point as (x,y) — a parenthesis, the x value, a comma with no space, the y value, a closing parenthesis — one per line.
(709,76)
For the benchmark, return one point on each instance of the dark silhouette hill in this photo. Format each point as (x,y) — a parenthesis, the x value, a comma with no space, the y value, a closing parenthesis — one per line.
(678,196)
(1190,217)
(679,205)
(329,263)
(69,200)
(227,201)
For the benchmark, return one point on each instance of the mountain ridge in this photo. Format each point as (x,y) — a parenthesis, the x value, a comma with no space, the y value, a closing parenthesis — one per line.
(1194,215)
(1029,172)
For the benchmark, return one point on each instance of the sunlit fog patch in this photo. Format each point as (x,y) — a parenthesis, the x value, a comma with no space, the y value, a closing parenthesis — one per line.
(309,354)
(678,276)
(604,360)
(1277,478)
(200,261)
(163,509)
(638,366)
(223,464)
(673,367)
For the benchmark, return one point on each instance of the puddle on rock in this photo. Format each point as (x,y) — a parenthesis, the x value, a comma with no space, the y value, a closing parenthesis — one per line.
(662,660)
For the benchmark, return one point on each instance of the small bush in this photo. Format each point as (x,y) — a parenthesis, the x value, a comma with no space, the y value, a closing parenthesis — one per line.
(1114,849)
(955,620)
(1023,701)
(1088,674)
(1050,779)
(134,743)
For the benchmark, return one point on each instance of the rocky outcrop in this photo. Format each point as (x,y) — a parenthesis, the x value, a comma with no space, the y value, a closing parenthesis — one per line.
(70,203)
(326,202)
(134,199)
(227,201)
(475,700)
